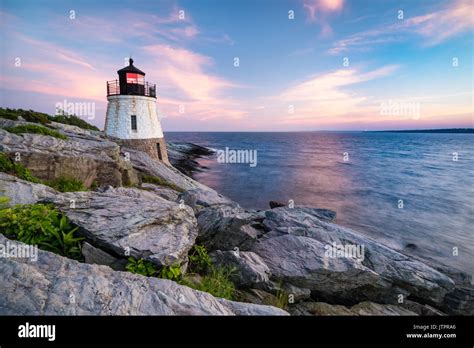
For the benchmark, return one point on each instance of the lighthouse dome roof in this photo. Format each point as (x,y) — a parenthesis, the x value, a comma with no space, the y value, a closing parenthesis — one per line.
(131,68)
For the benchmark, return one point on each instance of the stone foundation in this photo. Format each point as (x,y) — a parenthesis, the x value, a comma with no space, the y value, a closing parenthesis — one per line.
(155,147)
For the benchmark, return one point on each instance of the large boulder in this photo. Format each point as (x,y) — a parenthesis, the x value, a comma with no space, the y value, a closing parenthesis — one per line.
(226,227)
(55,285)
(128,221)
(90,159)
(296,251)
(23,192)
(249,269)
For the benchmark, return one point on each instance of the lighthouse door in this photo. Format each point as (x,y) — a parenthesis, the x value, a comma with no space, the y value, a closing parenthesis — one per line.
(158,149)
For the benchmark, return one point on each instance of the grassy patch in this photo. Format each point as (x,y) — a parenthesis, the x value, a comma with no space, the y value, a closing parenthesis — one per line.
(32,128)
(28,115)
(160,182)
(214,280)
(64,184)
(17,169)
(40,117)
(42,225)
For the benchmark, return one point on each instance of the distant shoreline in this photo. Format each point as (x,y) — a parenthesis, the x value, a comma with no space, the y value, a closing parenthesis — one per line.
(446,130)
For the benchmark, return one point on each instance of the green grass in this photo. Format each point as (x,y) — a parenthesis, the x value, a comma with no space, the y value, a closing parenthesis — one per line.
(65,184)
(28,115)
(40,117)
(217,282)
(17,169)
(32,128)
(160,182)
(42,225)
(214,280)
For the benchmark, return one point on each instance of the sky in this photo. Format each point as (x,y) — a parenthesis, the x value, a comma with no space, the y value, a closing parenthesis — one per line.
(248,65)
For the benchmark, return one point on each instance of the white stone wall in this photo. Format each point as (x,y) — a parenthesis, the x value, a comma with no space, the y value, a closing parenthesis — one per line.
(118,122)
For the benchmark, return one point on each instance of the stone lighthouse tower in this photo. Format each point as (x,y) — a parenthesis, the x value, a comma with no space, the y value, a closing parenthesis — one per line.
(131,113)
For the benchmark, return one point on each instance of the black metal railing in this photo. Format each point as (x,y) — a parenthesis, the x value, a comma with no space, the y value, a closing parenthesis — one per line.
(147,90)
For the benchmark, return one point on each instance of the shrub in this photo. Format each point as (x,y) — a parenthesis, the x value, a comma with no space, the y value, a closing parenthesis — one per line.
(64,184)
(199,259)
(32,128)
(217,283)
(160,182)
(171,272)
(17,169)
(73,121)
(42,225)
(145,268)
(8,114)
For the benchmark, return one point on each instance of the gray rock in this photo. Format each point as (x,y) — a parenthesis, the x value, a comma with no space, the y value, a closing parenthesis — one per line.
(460,301)
(125,220)
(249,268)
(224,227)
(370,308)
(189,198)
(420,309)
(55,285)
(145,164)
(23,192)
(319,309)
(97,256)
(295,252)
(163,192)
(87,159)
(363,308)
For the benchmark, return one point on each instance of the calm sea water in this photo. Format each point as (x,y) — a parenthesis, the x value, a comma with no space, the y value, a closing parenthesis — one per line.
(365,191)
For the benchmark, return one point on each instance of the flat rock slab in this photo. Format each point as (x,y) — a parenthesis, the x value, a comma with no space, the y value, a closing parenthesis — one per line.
(23,192)
(55,285)
(127,221)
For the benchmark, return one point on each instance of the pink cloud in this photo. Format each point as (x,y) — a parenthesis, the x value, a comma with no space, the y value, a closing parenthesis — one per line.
(315,8)
(184,78)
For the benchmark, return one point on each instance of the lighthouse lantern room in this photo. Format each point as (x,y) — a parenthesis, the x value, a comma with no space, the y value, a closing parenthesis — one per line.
(131,113)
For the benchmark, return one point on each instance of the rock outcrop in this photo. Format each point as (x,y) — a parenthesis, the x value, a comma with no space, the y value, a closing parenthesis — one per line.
(129,221)
(55,285)
(23,192)
(83,156)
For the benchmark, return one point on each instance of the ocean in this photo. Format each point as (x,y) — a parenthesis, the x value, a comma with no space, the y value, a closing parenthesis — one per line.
(411,191)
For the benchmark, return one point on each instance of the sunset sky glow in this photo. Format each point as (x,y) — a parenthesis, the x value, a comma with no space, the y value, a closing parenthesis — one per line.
(333,67)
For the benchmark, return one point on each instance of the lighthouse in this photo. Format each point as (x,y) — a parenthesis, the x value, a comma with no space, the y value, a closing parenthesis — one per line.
(131,113)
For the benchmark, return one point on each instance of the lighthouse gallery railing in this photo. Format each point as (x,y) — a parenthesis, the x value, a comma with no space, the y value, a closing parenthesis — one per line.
(147,90)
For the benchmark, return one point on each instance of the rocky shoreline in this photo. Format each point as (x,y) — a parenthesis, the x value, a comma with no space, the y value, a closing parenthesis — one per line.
(280,255)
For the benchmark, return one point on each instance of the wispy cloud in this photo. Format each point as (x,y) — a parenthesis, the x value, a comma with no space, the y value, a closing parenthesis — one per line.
(318,11)
(434,27)
(185,74)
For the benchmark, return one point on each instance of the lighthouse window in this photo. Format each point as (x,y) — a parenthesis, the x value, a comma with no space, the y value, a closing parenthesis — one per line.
(134,123)
(135,78)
